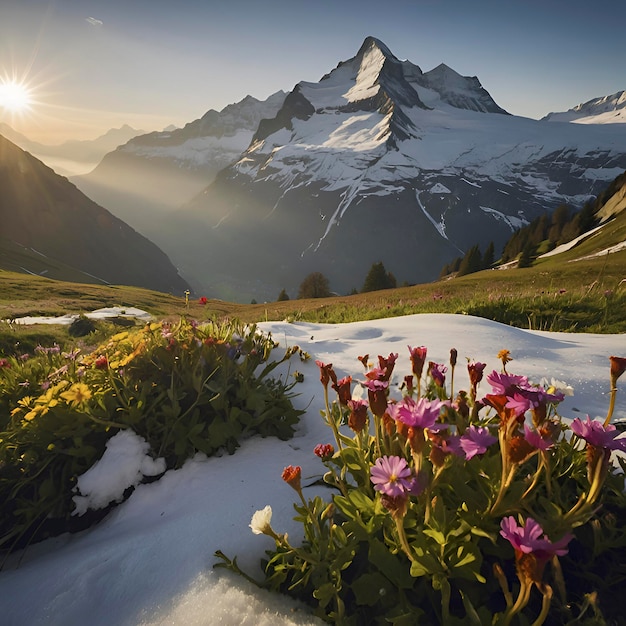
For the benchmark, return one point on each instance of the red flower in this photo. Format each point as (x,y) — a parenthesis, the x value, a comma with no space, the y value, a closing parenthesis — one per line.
(618,367)
(342,387)
(101,363)
(202,300)
(418,358)
(475,370)
(326,373)
(292,476)
(324,450)
(358,415)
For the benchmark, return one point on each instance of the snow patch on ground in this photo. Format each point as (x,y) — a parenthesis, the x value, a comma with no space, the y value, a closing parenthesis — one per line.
(150,561)
(124,464)
(104,313)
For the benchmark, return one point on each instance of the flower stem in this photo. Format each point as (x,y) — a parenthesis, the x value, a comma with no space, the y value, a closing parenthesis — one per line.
(403,540)
(609,415)
(331,420)
(520,603)
(546,591)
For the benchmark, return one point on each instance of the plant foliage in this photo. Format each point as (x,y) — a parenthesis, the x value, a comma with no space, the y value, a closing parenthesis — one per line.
(184,388)
(448,508)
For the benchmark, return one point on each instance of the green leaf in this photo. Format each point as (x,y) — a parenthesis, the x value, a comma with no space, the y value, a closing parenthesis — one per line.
(394,568)
(369,588)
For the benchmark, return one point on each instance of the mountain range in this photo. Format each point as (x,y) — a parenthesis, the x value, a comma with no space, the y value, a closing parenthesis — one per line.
(377,161)
(72,157)
(48,227)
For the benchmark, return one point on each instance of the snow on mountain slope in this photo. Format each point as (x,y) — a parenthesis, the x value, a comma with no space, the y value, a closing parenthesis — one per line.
(605,110)
(214,140)
(350,171)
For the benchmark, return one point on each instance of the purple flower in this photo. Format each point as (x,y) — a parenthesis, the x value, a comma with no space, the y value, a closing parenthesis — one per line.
(438,373)
(519,403)
(536,440)
(391,476)
(506,384)
(598,435)
(528,539)
(442,446)
(418,414)
(475,440)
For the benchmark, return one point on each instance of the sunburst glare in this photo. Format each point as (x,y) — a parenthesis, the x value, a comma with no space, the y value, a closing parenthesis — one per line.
(15,97)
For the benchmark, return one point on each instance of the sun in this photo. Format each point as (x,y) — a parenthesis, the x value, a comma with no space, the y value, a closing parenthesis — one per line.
(15,97)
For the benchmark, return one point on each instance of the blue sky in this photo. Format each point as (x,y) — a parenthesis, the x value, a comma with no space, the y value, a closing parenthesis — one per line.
(150,63)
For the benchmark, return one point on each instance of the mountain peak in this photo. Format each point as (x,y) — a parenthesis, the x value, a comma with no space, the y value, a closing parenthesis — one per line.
(603,110)
(371,43)
(462,92)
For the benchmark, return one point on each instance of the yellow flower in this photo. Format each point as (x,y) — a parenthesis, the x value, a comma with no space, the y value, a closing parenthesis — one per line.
(120,336)
(505,356)
(31,415)
(77,394)
(136,352)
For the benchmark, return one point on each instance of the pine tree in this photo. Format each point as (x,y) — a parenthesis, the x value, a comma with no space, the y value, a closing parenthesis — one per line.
(489,256)
(378,278)
(472,262)
(560,217)
(527,256)
(282,296)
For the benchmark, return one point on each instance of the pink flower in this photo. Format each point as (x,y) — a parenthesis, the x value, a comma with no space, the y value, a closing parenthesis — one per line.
(518,403)
(391,476)
(598,435)
(528,539)
(505,384)
(5,363)
(475,440)
(536,440)
(418,414)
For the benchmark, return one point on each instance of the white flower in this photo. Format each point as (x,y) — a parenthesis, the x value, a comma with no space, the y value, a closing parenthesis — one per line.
(261,521)
(554,385)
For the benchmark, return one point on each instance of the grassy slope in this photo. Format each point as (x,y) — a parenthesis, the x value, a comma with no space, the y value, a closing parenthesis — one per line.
(560,292)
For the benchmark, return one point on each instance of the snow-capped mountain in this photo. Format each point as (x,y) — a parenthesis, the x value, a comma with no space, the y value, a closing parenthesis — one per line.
(379,161)
(162,170)
(605,110)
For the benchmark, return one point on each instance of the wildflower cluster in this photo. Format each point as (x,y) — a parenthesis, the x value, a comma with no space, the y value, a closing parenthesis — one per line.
(182,387)
(455,507)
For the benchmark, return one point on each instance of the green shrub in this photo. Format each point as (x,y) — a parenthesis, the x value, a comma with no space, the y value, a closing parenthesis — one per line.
(81,327)
(184,388)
